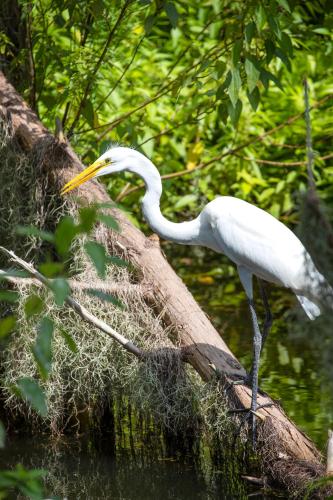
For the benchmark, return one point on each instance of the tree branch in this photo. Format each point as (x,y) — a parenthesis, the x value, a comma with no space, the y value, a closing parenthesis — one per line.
(97,66)
(75,305)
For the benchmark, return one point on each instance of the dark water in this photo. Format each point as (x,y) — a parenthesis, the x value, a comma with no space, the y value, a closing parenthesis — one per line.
(297,369)
(80,469)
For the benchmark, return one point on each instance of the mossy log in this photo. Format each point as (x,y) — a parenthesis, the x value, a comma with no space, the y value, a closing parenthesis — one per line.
(287,454)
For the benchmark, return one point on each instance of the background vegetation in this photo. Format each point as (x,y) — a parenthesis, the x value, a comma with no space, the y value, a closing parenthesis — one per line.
(211,91)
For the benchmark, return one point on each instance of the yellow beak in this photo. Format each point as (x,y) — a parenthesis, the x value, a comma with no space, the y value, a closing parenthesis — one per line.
(88,173)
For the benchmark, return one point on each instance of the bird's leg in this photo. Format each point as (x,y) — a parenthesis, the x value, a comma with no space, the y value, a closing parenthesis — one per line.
(267,323)
(268,313)
(257,340)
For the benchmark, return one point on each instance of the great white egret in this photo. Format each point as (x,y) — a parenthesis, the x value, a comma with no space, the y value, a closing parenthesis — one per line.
(253,239)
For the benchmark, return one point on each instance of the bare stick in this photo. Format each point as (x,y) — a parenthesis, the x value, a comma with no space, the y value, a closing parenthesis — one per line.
(74,304)
(329,463)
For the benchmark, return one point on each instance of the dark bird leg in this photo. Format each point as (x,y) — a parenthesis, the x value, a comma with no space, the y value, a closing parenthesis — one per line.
(246,279)
(257,342)
(267,323)
(268,314)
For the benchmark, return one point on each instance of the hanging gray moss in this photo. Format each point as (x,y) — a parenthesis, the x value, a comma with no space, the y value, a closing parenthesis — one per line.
(83,384)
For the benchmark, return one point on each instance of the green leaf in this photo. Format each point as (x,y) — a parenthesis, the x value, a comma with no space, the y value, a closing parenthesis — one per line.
(274,25)
(235,111)
(64,234)
(254,98)
(322,31)
(61,290)
(7,325)
(236,51)
(105,297)
(265,76)
(34,231)
(149,23)
(2,435)
(281,55)
(109,221)
(98,256)
(51,269)
(88,113)
(185,201)
(252,74)
(42,349)
(33,305)
(222,112)
(270,50)
(9,296)
(220,91)
(117,261)
(250,29)
(88,217)
(286,44)
(234,86)
(284,4)
(172,13)
(30,390)
(260,16)
(70,342)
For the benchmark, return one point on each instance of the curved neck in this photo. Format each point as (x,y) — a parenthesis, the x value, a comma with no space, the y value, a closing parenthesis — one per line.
(186,233)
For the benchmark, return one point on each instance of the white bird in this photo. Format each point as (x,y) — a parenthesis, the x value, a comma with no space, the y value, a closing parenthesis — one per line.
(253,239)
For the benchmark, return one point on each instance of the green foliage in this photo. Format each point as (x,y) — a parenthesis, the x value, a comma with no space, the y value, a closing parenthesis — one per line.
(169,77)
(30,390)
(27,482)
(42,349)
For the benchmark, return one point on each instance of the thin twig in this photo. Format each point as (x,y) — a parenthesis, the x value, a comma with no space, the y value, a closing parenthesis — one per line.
(97,66)
(309,149)
(76,306)
(117,289)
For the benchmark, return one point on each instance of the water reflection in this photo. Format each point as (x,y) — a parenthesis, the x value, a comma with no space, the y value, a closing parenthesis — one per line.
(81,469)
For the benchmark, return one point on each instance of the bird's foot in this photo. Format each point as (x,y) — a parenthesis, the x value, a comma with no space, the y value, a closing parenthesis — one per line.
(253,414)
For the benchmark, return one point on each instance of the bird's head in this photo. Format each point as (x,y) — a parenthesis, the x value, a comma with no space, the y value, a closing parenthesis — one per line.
(114,160)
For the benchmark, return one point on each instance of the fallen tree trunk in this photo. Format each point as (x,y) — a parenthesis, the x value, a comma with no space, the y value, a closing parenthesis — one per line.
(287,454)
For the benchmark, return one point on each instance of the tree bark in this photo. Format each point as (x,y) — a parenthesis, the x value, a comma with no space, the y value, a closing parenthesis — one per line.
(288,455)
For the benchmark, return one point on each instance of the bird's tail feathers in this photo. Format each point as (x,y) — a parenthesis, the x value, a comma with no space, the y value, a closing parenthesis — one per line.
(311,309)
(319,295)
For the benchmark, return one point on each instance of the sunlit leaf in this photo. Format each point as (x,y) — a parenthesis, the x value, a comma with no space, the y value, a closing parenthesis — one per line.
(234,86)
(30,390)
(284,4)
(235,112)
(252,73)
